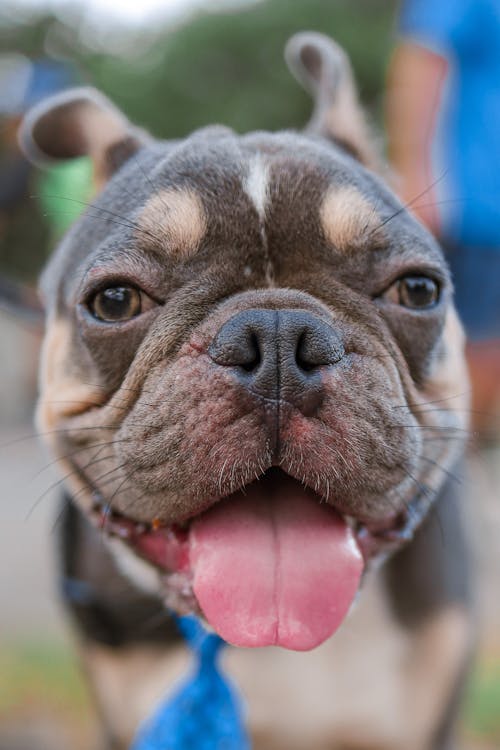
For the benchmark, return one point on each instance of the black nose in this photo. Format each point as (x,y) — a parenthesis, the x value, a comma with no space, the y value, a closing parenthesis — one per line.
(277,353)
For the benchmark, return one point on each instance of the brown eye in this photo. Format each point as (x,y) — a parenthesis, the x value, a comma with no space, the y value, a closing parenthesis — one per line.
(414,292)
(116,304)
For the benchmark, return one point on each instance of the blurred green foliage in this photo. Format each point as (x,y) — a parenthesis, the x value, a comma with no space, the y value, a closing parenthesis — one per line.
(40,672)
(223,67)
(43,696)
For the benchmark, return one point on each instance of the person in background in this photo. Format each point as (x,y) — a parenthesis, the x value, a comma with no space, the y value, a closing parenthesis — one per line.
(443,124)
(61,189)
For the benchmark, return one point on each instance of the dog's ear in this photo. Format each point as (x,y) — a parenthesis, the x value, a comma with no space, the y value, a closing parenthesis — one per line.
(79,122)
(322,67)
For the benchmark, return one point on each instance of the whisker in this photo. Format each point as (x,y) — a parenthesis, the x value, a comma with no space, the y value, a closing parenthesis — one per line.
(66,430)
(58,482)
(448,473)
(409,204)
(109,503)
(99,481)
(75,452)
(162,616)
(121,388)
(445,428)
(129,223)
(440,202)
(77,494)
(493,415)
(441,438)
(96,405)
(434,401)
(105,219)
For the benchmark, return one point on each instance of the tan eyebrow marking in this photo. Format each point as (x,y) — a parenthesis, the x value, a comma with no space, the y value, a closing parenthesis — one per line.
(177,218)
(348,218)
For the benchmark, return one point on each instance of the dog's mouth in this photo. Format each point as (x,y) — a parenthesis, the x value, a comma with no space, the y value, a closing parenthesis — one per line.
(269,565)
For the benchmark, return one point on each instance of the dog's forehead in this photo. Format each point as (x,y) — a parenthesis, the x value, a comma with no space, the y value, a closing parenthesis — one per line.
(175,199)
(232,182)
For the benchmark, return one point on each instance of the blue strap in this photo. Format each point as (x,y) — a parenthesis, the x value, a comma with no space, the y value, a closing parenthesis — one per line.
(204,713)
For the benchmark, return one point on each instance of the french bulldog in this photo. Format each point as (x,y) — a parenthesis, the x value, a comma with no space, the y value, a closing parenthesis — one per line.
(253,381)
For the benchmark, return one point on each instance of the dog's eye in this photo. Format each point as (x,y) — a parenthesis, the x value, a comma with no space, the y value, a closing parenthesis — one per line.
(414,292)
(116,304)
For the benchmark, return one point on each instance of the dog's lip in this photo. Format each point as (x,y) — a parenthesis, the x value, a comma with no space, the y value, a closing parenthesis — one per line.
(145,538)
(374,538)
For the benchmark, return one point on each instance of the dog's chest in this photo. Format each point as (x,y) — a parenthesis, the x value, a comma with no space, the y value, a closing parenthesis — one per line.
(350,693)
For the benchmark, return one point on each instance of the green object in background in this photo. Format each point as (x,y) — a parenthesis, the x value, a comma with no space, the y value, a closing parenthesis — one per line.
(482,709)
(40,672)
(63,191)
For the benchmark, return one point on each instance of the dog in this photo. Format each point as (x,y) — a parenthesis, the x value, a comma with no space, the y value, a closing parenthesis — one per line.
(252,379)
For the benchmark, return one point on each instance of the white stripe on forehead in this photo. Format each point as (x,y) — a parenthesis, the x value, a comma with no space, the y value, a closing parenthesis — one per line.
(256,184)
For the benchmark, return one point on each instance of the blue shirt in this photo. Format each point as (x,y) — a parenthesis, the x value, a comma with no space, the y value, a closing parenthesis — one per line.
(467,145)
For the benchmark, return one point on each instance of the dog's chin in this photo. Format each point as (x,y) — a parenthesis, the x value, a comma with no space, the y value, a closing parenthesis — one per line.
(272,564)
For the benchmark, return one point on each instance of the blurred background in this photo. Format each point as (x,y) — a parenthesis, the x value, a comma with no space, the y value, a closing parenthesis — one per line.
(172,66)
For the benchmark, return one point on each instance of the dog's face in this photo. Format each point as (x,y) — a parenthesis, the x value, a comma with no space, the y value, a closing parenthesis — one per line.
(250,350)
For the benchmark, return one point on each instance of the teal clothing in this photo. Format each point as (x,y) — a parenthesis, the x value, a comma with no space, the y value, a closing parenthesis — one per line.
(467,148)
(204,712)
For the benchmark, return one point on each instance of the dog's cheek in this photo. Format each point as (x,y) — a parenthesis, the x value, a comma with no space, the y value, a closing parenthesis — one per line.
(64,392)
(110,349)
(192,423)
(359,446)
(417,339)
(448,380)
(442,405)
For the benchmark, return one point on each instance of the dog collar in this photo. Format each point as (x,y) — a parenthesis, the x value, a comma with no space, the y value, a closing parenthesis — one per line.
(204,712)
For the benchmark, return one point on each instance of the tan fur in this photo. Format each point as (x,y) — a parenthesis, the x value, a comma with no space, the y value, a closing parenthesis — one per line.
(347,218)
(128,683)
(345,120)
(177,218)
(450,379)
(433,669)
(443,405)
(62,394)
(323,68)
(355,692)
(106,129)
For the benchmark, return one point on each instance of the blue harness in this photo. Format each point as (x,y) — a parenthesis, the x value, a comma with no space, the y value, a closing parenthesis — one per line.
(205,712)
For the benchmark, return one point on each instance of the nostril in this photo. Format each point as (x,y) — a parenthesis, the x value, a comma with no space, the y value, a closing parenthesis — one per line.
(317,346)
(301,356)
(241,343)
(277,351)
(254,354)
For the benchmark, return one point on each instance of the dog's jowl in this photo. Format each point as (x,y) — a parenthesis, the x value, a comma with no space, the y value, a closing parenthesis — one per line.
(250,379)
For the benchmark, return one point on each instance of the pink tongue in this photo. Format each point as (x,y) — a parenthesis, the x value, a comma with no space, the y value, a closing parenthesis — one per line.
(274,567)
